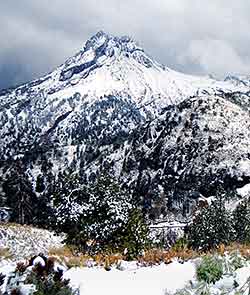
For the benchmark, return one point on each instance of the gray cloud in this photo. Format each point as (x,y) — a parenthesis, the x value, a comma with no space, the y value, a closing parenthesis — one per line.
(192,36)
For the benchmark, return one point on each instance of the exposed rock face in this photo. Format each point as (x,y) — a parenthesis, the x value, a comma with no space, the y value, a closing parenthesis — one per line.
(167,136)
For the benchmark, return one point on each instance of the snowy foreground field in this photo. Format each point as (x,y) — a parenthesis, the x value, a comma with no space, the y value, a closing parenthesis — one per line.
(156,280)
(132,280)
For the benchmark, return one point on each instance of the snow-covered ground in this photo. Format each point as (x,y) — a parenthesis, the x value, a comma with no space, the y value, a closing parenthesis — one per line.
(157,280)
(128,278)
(133,280)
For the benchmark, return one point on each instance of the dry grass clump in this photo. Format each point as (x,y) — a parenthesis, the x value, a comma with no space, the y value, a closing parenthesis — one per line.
(154,256)
(157,256)
(61,251)
(244,249)
(5,253)
(108,259)
(74,259)
(148,258)
(66,255)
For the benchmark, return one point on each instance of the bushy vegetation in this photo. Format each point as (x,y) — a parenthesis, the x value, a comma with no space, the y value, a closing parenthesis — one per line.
(215,225)
(100,218)
(211,227)
(210,269)
(48,281)
(103,217)
(134,235)
(241,224)
(39,279)
(24,202)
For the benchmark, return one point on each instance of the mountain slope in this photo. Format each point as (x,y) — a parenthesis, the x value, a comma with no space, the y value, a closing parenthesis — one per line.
(188,151)
(111,107)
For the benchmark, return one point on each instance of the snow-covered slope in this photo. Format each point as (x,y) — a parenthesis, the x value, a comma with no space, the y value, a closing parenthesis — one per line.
(239,80)
(188,151)
(91,112)
(111,75)
(110,65)
(25,241)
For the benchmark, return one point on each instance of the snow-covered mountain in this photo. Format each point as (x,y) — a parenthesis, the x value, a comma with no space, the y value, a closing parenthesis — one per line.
(239,80)
(111,106)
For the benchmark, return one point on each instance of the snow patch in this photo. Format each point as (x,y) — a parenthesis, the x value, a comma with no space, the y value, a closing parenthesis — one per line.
(244,191)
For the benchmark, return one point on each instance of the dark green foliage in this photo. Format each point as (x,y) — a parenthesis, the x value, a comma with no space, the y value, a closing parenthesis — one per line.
(242,222)
(44,214)
(68,193)
(104,221)
(40,186)
(19,195)
(66,182)
(211,227)
(180,244)
(27,207)
(215,225)
(134,236)
(210,269)
(102,210)
(48,281)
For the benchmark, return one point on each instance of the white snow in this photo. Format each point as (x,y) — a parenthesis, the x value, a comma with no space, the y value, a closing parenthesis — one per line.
(244,167)
(244,191)
(145,280)
(5,269)
(167,224)
(39,260)
(242,275)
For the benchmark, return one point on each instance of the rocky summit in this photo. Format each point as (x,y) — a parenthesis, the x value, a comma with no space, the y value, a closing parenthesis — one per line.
(168,137)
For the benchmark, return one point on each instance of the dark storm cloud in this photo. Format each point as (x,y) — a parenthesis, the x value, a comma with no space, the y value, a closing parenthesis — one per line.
(193,36)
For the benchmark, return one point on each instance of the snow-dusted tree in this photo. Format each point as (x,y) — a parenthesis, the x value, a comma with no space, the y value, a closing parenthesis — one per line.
(134,235)
(211,227)
(20,196)
(67,199)
(241,223)
(92,214)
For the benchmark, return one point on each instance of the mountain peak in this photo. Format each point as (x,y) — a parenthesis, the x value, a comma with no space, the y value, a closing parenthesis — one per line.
(101,38)
(103,48)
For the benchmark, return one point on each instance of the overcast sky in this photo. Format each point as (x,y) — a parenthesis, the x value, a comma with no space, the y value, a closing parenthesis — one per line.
(192,36)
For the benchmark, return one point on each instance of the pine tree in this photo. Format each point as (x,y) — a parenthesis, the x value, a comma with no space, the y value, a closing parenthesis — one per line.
(134,235)
(92,213)
(211,227)
(19,195)
(242,222)
(67,197)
